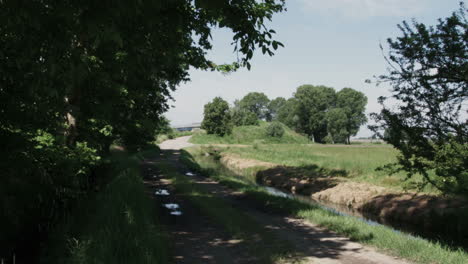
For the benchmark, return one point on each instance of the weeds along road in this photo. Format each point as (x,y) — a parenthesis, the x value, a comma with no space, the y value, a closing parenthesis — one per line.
(198,238)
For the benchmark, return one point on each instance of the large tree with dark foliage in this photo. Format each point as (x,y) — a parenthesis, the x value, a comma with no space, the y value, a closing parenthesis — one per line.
(256,103)
(353,103)
(428,70)
(273,108)
(77,75)
(313,102)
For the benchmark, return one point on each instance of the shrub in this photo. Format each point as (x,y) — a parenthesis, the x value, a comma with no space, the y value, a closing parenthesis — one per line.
(275,129)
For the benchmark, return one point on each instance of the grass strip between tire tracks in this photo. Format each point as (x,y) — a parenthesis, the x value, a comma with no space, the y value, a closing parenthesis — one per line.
(260,242)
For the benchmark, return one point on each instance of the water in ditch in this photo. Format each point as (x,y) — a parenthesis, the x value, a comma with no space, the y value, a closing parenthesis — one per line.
(369,219)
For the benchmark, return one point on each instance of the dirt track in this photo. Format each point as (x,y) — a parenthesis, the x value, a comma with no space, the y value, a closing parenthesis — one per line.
(197,240)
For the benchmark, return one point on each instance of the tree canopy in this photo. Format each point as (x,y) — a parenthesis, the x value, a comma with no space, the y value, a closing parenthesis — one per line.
(256,103)
(77,76)
(353,103)
(312,104)
(274,106)
(336,125)
(428,70)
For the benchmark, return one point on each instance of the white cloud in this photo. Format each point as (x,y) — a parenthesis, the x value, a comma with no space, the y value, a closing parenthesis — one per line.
(367,8)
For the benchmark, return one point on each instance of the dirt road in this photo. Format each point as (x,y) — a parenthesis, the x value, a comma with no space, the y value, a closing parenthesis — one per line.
(197,240)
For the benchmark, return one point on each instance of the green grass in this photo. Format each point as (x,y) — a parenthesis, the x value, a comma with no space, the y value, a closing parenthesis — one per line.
(395,243)
(359,162)
(250,135)
(261,243)
(117,225)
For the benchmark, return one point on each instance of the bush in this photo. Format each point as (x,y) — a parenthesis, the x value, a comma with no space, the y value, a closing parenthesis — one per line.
(275,129)
(328,139)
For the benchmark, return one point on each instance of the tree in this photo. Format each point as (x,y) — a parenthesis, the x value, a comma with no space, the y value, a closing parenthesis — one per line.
(274,106)
(216,117)
(76,76)
(353,103)
(337,120)
(428,70)
(287,114)
(256,103)
(312,104)
(242,117)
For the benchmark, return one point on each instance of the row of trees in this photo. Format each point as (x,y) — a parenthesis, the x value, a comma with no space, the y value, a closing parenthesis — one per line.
(77,76)
(317,111)
(324,115)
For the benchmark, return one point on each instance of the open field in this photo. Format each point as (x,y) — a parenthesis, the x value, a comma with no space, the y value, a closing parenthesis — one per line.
(357,162)
(381,237)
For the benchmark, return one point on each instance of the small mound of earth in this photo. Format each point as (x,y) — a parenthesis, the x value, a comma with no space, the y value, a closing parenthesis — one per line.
(351,194)
(295,180)
(236,163)
(418,209)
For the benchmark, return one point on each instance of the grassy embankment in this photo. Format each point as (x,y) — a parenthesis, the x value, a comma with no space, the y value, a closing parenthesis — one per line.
(381,237)
(359,162)
(262,245)
(250,135)
(116,225)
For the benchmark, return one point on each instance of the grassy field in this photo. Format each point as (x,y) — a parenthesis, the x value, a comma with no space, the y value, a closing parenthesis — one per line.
(395,243)
(117,225)
(358,161)
(250,135)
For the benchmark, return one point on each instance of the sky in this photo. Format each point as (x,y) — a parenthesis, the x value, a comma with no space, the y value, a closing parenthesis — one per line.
(327,42)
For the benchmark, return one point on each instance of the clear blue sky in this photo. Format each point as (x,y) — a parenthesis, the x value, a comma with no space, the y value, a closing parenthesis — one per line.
(327,42)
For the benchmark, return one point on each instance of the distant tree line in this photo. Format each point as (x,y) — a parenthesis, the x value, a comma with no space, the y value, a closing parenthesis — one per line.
(321,113)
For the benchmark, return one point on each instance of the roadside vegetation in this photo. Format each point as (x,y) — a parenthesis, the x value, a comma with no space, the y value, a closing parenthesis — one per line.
(105,78)
(384,238)
(118,224)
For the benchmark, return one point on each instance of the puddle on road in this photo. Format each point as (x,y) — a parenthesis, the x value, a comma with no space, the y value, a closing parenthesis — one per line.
(171,206)
(177,213)
(161,192)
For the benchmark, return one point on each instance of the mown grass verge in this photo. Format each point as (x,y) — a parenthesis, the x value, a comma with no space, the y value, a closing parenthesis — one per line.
(116,225)
(383,238)
(262,245)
